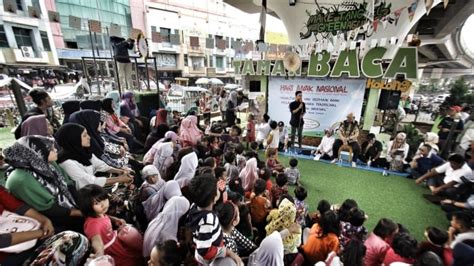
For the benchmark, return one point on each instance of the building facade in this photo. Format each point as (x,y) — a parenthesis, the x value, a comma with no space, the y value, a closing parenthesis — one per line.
(26,40)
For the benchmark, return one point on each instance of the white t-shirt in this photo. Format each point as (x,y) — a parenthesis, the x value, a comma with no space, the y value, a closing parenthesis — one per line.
(326,144)
(262,130)
(275,139)
(454,175)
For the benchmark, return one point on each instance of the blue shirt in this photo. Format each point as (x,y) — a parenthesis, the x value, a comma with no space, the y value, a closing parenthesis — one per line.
(427,163)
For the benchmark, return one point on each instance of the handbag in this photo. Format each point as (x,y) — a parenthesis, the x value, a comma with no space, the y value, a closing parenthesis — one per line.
(13,223)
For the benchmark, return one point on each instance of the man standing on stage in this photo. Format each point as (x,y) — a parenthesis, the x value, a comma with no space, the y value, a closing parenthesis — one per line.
(297,109)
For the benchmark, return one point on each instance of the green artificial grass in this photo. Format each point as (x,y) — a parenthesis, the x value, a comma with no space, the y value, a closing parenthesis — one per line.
(394,197)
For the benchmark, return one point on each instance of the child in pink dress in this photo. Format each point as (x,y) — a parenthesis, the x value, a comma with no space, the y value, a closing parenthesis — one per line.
(94,204)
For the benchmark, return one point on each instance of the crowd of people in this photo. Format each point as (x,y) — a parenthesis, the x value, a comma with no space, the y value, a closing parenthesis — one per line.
(81,191)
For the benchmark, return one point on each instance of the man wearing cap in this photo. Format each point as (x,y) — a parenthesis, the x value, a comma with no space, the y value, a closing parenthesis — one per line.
(348,133)
(447,124)
(297,109)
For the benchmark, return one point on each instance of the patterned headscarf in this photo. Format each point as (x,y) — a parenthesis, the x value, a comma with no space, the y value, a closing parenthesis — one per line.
(31,154)
(282,219)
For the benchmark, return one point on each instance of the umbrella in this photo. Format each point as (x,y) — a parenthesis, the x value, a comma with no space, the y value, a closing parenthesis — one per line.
(215,81)
(202,81)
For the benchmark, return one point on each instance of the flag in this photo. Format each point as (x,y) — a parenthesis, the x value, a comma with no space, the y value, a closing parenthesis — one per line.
(263,20)
(369,12)
(428,6)
(411,10)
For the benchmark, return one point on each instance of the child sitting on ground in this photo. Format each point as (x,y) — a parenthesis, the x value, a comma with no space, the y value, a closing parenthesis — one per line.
(301,206)
(354,228)
(403,250)
(232,170)
(94,204)
(281,188)
(259,207)
(153,182)
(273,163)
(239,157)
(293,173)
(314,217)
(378,242)
(204,224)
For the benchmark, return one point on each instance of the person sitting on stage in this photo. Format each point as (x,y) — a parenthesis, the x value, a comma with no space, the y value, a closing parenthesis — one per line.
(397,152)
(424,162)
(370,152)
(348,134)
(324,150)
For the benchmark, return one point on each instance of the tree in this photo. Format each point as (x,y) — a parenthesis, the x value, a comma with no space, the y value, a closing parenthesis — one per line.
(458,94)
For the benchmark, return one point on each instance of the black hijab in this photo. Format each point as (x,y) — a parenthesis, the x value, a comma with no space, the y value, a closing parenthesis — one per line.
(90,119)
(91,105)
(69,138)
(70,107)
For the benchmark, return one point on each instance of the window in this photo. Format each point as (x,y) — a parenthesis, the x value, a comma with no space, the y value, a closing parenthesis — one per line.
(220,62)
(45,40)
(22,37)
(19,5)
(165,34)
(3,37)
(186,60)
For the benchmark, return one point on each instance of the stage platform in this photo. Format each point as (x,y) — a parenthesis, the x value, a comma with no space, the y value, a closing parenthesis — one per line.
(300,153)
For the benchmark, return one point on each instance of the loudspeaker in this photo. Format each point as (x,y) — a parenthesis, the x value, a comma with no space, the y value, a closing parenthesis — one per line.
(389,100)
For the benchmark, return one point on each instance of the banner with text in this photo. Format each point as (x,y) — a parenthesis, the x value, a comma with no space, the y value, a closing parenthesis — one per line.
(328,101)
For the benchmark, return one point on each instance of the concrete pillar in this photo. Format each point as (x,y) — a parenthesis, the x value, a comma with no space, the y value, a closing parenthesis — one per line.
(371,108)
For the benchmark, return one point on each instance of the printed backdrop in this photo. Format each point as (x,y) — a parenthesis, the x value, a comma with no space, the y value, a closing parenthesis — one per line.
(328,101)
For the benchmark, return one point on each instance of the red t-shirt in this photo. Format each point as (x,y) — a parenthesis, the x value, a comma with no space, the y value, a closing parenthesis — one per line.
(392,257)
(102,226)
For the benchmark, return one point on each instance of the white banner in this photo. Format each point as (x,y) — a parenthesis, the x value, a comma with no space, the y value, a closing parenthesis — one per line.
(328,101)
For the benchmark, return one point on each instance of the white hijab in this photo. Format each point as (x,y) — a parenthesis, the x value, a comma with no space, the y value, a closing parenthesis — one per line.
(186,172)
(270,251)
(165,225)
(162,155)
(155,202)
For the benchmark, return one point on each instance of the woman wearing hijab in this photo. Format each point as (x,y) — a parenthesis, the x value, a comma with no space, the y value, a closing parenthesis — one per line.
(69,108)
(397,152)
(95,105)
(165,225)
(36,179)
(154,204)
(129,110)
(36,125)
(282,218)
(189,132)
(189,164)
(150,155)
(80,163)
(111,153)
(160,118)
(249,174)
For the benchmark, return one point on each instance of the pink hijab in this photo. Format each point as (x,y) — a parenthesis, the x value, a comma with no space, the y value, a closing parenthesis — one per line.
(35,125)
(189,133)
(249,174)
